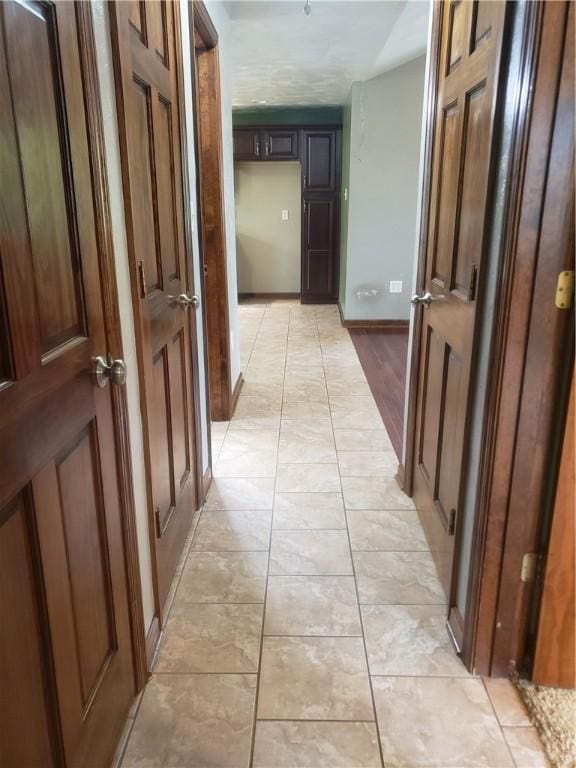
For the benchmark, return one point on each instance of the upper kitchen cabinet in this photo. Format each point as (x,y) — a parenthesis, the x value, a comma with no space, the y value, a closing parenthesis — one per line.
(247,144)
(319,159)
(281,144)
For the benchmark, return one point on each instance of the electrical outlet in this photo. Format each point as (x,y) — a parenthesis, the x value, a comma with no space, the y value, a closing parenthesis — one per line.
(395,286)
(285,215)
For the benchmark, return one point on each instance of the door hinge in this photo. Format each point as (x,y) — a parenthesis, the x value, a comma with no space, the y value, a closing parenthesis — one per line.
(564,289)
(452,522)
(529,567)
(473,282)
(142,279)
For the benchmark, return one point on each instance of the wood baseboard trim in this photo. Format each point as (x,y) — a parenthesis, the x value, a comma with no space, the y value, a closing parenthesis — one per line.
(236,393)
(399,476)
(206,482)
(268,296)
(382,325)
(152,640)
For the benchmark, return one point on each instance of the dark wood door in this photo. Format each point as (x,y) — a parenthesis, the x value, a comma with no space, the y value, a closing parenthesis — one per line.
(467,84)
(281,144)
(145,40)
(247,143)
(66,665)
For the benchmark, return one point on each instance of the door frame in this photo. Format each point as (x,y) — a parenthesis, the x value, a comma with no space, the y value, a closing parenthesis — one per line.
(221,395)
(152,635)
(103,221)
(475,634)
(499,601)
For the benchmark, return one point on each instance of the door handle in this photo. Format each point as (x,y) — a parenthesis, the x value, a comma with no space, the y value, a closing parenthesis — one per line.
(426,299)
(109,370)
(184,301)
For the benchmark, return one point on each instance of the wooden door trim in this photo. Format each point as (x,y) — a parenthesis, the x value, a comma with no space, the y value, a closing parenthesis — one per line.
(497,541)
(188,240)
(405,475)
(112,327)
(217,316)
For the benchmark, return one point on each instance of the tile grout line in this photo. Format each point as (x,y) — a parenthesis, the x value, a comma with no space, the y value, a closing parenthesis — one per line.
(376,725)
(258,674)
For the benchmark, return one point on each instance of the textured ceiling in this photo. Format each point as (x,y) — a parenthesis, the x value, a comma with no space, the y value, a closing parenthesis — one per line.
(283,57)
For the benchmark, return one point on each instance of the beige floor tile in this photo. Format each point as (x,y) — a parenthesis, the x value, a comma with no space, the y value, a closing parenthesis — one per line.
(223,577)
(438,723)
(194,721)
(271,391)
(403,578)
(362,440)
(398,531)
(507,702)
(312,605)
(314,678)
(248,453)
(256,423)
(211,638)
(233,531)
(314,392)
(526,748)
(316,745)
(308,478)
(342,388)
(310,553)
(306,356)
(374,493)
(306,410)
(306,440)
(241,493)
(346,374)
(409,640)
(367,463)
(309,511)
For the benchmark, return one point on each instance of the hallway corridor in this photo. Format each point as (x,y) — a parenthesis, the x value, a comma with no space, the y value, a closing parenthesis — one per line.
(307,628)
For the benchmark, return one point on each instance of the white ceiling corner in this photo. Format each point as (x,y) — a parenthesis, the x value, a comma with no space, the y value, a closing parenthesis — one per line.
(283,57)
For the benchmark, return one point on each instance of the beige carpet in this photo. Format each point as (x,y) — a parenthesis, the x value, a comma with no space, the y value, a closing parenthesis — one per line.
(553,712)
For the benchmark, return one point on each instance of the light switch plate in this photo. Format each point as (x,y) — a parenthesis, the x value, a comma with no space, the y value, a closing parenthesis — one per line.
(285,215)
(395,286)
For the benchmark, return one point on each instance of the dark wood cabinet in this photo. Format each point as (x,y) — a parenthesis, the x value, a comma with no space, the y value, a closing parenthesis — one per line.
(319,161)
(247,144)
(319,151)
(281,144)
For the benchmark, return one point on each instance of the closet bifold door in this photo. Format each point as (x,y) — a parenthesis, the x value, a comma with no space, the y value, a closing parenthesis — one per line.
(321,153)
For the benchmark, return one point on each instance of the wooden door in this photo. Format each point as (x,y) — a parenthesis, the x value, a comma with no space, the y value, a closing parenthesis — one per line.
(146,49)
(470,45)
(247,143)
(66,665)
(281,144)
(555,654)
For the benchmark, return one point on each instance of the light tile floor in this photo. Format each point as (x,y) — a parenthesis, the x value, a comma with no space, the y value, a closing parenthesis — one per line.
(307,629)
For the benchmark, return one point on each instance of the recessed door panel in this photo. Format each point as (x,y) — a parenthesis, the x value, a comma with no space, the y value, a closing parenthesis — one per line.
(160,440)
(166,192)
(457,34)
(318,265)
(177,364)
(23,713)
(435,363)
(40,121)
(84,525)
(448,176)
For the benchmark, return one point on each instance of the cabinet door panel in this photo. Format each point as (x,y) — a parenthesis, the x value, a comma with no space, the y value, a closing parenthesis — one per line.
(320,161)
(319,257)
(281,144)
(247,143)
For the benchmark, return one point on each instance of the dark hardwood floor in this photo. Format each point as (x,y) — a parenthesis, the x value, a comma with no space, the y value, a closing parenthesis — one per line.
(383,357)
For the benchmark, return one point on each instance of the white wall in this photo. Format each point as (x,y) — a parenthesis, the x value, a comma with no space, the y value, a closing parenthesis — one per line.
(106,80)
(383,191)
(268,246)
